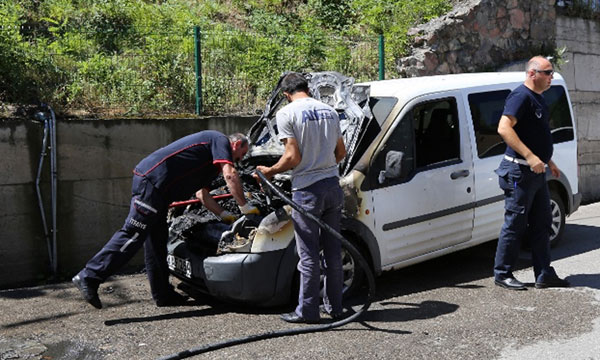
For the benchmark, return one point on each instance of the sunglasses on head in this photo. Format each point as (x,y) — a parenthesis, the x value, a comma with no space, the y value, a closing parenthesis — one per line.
(547,72)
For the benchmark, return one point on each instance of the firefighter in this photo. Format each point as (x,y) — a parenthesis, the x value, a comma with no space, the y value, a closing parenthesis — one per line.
(174,172)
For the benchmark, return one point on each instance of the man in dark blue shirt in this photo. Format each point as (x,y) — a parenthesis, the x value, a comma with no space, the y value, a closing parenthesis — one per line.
(174,172)
(524,126)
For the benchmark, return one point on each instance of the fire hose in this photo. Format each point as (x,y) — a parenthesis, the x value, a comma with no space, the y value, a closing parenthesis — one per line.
(302,330)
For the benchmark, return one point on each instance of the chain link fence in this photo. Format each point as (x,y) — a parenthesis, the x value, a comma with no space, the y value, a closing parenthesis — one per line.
(139,72)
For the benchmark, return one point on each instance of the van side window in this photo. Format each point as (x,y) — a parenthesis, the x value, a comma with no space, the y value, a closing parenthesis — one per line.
(486,110)
(561,124)
(426,136)
(436,132)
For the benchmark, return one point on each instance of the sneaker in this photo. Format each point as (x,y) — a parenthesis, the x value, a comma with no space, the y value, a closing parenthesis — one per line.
(552,283)
(88,291)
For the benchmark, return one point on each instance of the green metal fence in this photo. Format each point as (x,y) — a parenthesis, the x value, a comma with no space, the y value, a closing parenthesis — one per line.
(138,72)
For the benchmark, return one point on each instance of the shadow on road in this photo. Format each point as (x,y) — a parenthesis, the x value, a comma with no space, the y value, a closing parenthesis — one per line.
(585,280)
(175,315)
(460,269)
(400,312)
(577,239)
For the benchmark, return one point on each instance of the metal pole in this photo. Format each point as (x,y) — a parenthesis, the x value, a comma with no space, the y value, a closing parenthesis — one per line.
(54,193)
(198,61)
(381,58)
(39,191)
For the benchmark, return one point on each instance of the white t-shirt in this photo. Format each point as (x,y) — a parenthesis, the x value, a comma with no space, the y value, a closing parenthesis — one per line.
(316,128)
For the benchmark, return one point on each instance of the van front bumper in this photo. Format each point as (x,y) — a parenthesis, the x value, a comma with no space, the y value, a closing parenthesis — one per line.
(261,279)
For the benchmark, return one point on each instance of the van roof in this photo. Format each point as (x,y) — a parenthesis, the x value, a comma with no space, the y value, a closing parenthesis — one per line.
(415,86)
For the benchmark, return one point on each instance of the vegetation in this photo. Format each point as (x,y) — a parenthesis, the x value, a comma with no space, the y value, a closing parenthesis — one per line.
(586,9)
(137,56)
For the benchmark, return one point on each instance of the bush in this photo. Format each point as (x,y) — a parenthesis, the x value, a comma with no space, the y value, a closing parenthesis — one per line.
(125,57)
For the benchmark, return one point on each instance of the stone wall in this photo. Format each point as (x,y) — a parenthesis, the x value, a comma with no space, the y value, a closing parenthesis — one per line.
(95,160)
(481,35)
(494,35)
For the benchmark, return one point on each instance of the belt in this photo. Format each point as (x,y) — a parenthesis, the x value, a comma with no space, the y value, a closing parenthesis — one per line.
(516,160)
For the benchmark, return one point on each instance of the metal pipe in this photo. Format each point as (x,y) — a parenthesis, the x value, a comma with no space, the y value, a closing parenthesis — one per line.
(54,189)
(39,191)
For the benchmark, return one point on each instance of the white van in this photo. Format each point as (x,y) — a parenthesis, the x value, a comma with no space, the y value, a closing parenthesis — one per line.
(419,181)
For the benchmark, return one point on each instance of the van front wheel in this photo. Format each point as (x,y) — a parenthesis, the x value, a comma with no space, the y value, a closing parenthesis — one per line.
(557,209)
(353,275)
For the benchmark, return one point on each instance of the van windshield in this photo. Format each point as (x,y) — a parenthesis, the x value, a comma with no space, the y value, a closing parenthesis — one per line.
(381,107)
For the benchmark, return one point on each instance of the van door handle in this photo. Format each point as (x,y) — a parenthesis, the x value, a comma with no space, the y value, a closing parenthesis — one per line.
(458,174)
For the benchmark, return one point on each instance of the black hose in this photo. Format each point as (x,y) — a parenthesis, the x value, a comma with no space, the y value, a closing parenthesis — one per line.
(303,330)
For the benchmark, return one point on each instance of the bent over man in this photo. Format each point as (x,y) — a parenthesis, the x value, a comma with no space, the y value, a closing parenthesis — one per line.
(525,128)
(174,172)
(310,132)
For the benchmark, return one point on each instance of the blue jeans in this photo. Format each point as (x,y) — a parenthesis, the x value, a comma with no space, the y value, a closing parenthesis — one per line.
(527,213)
(324,199)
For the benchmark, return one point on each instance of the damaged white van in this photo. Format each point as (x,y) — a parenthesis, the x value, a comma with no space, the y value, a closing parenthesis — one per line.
(418,179)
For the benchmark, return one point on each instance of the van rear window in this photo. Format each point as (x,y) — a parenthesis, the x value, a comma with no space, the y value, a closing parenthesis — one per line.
(486,110)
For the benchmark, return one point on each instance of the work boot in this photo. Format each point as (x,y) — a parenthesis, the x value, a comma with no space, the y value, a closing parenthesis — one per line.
(88,291)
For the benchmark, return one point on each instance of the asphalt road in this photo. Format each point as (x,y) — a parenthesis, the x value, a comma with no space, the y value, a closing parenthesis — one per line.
(447,308)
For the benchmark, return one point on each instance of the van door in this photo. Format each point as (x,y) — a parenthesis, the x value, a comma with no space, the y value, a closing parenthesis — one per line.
(426,204)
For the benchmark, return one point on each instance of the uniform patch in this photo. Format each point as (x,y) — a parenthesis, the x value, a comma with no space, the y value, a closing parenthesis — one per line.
(137,224)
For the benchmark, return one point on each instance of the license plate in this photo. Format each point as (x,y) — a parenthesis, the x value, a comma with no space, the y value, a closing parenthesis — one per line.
(179,265)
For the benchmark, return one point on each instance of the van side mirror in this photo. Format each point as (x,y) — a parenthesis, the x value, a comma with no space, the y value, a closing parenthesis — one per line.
(393,166)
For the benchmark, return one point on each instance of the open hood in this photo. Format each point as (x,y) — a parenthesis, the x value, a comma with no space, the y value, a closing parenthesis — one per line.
(338,91)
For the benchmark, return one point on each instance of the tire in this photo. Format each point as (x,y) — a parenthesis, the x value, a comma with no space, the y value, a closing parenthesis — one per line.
(353,275)
(557,208)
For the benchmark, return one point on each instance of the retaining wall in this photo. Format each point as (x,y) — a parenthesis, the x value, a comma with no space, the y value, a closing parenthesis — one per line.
(95,159)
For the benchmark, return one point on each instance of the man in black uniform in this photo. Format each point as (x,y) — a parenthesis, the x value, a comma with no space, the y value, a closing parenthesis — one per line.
(525,128)
(171,173)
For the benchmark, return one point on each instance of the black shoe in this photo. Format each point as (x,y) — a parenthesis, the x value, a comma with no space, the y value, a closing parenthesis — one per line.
(552,283)
(510,283)
(88,291)
(174,299)
(334,316)
(295,319)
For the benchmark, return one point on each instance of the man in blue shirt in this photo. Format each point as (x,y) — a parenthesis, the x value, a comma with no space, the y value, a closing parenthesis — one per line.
(174,172)
(524,127)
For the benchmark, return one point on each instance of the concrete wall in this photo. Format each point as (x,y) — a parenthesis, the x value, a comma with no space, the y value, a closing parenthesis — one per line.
(95,159)
(582,73)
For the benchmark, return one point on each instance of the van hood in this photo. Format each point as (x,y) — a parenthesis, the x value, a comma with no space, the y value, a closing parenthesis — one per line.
(339,91)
